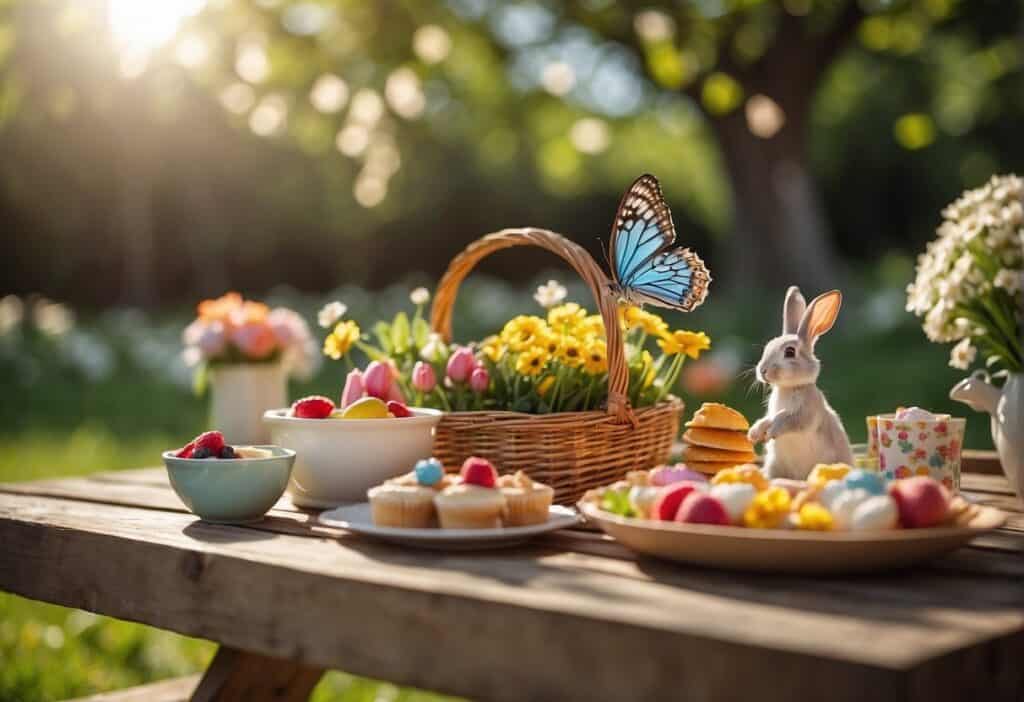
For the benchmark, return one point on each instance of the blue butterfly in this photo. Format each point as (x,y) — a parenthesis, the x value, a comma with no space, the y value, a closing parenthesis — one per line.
(644,266)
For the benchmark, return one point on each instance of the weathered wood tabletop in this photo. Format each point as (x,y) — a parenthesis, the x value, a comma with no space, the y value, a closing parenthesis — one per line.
(573,616)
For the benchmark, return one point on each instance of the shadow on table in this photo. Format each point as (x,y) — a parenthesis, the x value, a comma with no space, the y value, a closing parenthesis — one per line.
(211,533)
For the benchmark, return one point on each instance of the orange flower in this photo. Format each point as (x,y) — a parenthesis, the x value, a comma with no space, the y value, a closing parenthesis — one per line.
(220,308)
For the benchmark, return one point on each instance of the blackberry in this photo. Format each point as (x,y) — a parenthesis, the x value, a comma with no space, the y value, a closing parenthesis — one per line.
(202,452)
(228,452)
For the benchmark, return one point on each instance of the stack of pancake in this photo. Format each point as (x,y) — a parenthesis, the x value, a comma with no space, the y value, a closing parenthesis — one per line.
(716,438)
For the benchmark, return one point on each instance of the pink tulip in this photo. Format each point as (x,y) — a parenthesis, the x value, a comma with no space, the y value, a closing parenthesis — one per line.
(354,388)
(377,379)
(479,379)
(395,393)
(460,364)
(423,377)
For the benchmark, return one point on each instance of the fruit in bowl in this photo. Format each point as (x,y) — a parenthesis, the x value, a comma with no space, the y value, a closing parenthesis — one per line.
(228,484)
(345,453)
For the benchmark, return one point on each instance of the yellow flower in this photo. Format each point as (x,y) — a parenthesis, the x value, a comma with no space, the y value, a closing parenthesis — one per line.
(545,385)
(339,341)
(521,332)
(492,348)
(813,517)
(636,318)
(532,361)
(550,341)
(768,509)
(571,352)
(565,317)
(595,357)
(687,342)
(823,473)
(592,325)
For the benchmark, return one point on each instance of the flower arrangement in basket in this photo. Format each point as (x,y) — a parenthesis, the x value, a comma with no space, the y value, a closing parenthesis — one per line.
(574,399)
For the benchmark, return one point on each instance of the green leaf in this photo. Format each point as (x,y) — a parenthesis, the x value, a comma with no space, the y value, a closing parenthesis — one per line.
(382,330)
(420,332)
(400,333)
(617,502)
(201,379)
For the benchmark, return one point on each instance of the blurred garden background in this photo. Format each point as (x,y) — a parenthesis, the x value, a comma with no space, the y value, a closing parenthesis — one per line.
(157,153)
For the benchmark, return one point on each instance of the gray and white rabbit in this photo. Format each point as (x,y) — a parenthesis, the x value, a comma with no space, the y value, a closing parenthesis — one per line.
(801,428)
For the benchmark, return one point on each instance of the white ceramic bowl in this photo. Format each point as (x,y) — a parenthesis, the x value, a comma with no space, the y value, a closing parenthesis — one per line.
(338,460)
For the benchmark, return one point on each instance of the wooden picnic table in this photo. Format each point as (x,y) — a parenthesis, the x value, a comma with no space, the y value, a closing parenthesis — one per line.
(572,616)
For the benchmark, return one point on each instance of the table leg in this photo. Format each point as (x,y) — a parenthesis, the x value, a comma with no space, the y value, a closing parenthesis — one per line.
(237,676)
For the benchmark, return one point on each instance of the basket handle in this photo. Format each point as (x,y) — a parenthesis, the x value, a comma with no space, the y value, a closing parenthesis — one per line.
(582,262)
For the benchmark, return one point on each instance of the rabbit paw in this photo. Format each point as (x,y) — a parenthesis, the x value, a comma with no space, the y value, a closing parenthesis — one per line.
(759,432)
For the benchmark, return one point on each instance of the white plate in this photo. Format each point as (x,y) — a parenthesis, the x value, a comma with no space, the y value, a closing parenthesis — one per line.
(356,518)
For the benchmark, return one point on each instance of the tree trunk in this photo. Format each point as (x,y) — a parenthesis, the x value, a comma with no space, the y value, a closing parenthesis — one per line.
(780,236)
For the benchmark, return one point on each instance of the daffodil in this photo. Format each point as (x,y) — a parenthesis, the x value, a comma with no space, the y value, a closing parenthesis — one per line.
(520,333)
(339,341)
(544,385)
(684,342)
(532,361)
(648,371)
(591,325)
(595,357)
(565,317)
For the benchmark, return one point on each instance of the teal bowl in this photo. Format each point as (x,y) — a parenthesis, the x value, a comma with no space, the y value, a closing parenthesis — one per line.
(232,491)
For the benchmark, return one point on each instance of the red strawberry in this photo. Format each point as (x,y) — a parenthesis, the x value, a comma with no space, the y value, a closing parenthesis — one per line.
(212,440)
(312,407)
(186,450)
(479,471)
(397,409)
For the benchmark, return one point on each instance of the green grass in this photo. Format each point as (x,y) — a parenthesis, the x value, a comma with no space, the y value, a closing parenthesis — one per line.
(60,424)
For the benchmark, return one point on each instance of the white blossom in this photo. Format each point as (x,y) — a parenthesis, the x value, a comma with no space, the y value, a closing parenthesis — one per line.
(1010,281)
(550,294)
(419,296)
(962,355)
(330,313)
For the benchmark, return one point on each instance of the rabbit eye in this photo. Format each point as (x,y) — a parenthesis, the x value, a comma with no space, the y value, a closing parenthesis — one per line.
(790,352)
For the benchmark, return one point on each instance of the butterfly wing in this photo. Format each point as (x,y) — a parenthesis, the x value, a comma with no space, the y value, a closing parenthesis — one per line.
(677,279)
(645,269)
(643,226)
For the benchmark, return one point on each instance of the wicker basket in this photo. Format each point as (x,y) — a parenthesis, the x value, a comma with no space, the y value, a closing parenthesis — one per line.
(571,451)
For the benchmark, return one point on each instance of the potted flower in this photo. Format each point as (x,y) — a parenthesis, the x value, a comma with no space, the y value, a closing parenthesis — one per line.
(969,290)
(245,351)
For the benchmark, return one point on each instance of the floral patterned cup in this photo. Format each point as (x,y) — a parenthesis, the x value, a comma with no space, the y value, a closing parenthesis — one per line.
(921,447)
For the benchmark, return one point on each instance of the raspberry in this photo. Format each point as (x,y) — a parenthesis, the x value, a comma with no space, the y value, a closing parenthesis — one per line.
(397,409)
(313,407)
(479,471)
(211,440)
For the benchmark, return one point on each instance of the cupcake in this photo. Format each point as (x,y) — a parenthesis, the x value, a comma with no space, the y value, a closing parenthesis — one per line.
(408,501)
(527,502)
(474,503)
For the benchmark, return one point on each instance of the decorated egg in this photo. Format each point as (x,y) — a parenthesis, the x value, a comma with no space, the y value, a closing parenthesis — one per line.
(876,512)
(735,497)
(861,479)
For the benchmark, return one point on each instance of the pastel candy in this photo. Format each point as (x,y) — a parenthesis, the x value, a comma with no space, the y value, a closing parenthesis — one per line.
(865,480)
(844,505)
(832,490)
(641,497)
(735,497)
(429,471)
(877,512)
(666,475)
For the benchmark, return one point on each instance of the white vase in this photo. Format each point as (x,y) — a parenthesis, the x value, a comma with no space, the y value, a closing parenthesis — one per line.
(240,394)
(1006,405)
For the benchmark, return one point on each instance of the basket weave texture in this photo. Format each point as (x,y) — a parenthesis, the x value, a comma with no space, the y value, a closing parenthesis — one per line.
(570,451)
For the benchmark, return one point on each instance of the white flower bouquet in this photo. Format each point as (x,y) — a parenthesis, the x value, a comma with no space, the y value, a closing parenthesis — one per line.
(970,279)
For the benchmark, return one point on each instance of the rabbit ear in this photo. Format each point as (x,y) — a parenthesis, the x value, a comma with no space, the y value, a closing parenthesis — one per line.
(820,316)
(792,310)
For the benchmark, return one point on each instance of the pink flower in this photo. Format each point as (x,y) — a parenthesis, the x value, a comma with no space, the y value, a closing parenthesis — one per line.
(479,379)
(288,327)
(377,379)
(423,377)
(354,388)
(209,337)
(254,339)
(460,364)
